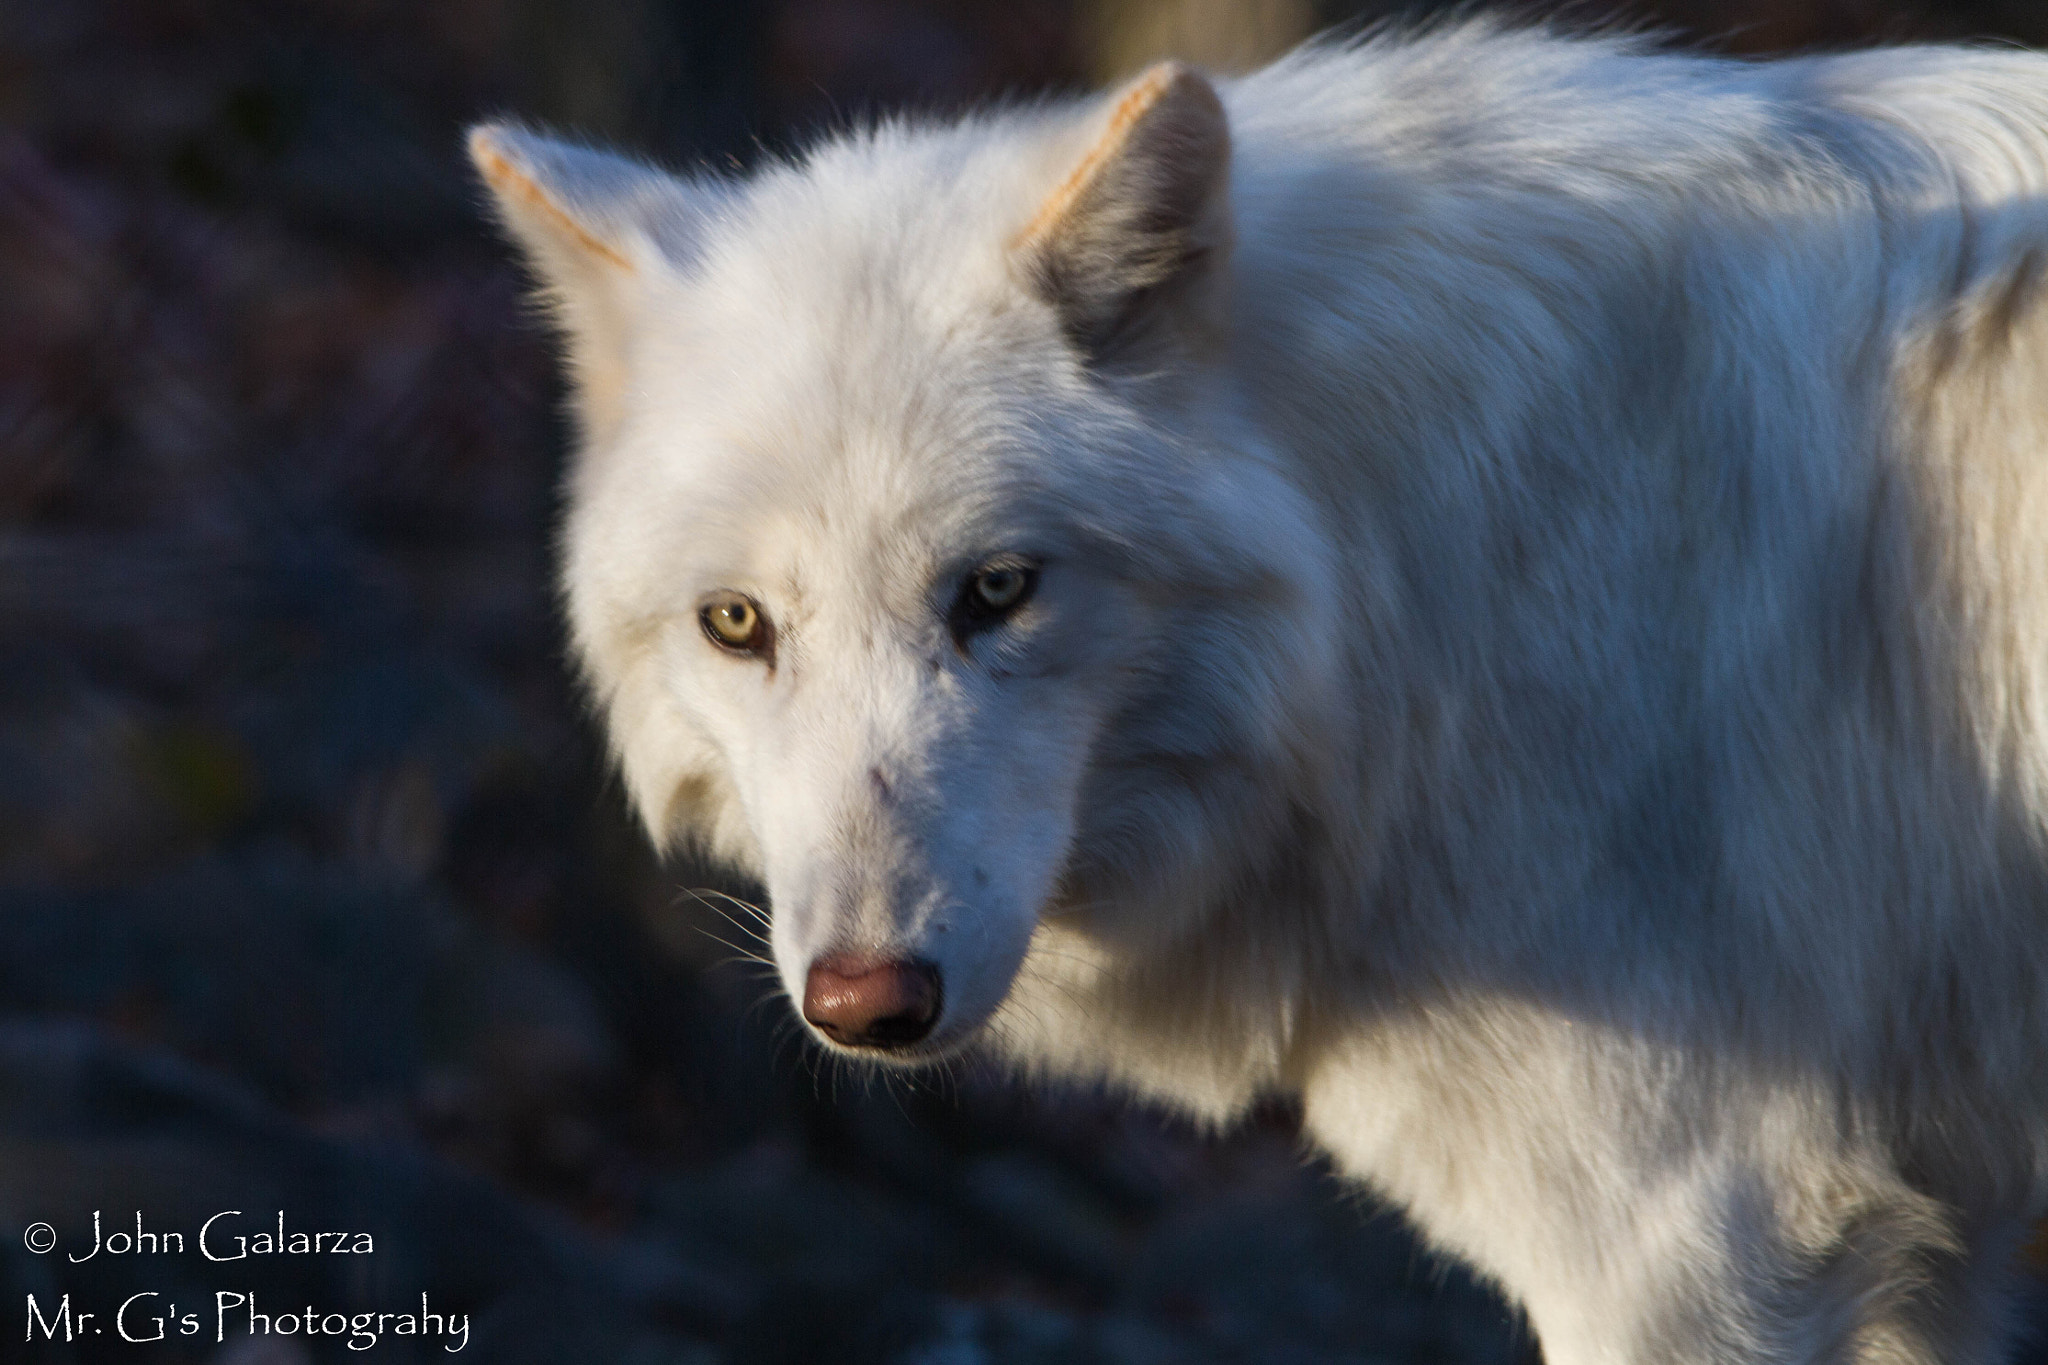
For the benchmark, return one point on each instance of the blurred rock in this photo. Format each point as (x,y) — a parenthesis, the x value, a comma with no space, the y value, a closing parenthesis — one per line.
(1049,1216)
(1221,35)
(262,1351)
(89,1123)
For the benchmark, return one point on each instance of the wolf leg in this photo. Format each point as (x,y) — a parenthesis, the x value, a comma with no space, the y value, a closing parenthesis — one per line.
(1652,1208)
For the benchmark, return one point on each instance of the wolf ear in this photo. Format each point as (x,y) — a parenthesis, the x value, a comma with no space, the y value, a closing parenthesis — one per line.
(1143,215)
(591,224)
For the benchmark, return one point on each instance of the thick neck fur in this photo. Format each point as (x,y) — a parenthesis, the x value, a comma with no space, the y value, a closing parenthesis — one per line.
(1554,538)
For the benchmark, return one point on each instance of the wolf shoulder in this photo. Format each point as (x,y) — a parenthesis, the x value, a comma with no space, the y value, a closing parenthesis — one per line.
(1602,261)
(1488,109)
(1752,355)
(1483,158)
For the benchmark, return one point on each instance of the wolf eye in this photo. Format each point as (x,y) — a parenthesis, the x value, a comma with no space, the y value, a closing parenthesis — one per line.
(734,621)
(999,589)
(992,592)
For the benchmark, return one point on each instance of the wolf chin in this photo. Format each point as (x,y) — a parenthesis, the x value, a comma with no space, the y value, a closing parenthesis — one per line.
(1491,581)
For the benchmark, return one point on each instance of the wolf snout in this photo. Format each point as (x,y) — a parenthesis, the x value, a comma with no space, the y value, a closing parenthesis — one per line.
(871,1002)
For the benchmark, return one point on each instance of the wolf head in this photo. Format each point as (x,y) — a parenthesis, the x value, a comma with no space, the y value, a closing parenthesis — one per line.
(915,551)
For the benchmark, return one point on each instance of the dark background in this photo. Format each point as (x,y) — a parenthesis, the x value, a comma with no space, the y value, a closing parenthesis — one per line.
(315,894)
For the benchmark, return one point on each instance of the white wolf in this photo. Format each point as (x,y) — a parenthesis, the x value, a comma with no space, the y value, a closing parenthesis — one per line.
(1493,581)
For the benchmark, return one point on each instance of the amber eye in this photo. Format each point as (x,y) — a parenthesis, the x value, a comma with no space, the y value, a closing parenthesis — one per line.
(733,621)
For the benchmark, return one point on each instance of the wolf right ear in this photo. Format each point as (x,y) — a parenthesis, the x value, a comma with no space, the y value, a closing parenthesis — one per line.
(1144,214)
(590,225)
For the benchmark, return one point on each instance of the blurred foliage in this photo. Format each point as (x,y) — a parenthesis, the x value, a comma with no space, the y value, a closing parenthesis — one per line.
(314,890)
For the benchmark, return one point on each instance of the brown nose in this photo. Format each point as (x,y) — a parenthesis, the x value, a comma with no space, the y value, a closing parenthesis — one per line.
(859,1001)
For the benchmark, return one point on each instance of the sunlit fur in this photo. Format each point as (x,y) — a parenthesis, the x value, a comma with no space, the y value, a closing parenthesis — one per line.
(1542,645)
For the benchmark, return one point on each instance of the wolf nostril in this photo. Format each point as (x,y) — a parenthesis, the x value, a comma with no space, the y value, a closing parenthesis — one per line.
(859,1001)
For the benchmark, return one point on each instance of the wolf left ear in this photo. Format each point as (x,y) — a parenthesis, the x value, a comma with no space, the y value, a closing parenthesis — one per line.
(591,225)
(1143,218)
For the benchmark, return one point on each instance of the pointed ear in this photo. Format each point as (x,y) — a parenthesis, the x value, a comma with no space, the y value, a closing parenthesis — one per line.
(591,225)
(1144,218)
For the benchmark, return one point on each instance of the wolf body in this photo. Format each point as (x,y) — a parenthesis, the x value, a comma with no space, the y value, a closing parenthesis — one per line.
(1495,582)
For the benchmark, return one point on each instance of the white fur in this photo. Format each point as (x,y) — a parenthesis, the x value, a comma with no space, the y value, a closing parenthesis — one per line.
(1547,659)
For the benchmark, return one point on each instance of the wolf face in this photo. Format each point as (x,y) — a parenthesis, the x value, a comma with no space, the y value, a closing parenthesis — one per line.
(907,548)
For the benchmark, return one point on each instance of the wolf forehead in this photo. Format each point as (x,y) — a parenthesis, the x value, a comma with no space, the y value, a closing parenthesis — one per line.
(852,332)
(882,254)
(917,219)
(867,281)
(1006,249)
(863,339)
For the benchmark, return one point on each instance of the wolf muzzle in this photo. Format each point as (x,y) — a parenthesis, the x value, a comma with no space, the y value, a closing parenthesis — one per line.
(868,1002)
